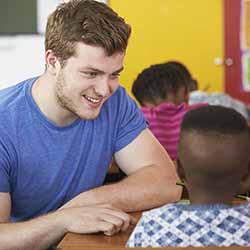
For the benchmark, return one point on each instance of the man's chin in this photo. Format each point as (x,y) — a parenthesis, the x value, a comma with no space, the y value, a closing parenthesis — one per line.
(89,116)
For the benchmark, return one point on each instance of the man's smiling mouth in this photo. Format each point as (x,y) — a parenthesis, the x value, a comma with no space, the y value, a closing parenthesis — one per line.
(92,99)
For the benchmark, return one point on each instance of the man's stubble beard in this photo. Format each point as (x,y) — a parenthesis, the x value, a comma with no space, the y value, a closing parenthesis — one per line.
(67,103)
(62,100)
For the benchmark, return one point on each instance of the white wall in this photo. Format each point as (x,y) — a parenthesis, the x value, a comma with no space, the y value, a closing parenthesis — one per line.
(21,57)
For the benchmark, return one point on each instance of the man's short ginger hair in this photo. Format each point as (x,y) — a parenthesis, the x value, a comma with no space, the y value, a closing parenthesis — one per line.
(87,21)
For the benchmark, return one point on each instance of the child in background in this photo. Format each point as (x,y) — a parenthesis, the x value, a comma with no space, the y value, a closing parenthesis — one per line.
(162,91)
(222,99)
(214,98)
(213,161)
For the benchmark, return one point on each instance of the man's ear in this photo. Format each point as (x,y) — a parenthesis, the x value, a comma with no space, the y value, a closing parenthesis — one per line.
(52,62)
(180,170)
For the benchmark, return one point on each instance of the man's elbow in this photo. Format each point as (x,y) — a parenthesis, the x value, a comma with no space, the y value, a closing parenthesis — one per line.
(170,191)
(172,194)
(166,194)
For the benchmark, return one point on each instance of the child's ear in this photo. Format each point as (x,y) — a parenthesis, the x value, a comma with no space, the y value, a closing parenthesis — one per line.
(186,96)
(245,182)
(180,170)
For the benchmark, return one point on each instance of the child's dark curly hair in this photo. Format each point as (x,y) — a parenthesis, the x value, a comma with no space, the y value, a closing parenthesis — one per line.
(155,83)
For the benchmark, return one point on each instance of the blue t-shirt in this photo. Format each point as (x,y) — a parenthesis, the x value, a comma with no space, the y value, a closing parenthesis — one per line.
(43,165)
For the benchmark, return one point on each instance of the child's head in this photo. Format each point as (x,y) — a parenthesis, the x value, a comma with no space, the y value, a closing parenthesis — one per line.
(161,83)
(192,83)
(214,151)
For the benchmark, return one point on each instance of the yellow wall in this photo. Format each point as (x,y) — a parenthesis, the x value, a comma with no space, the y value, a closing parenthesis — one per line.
(190,31)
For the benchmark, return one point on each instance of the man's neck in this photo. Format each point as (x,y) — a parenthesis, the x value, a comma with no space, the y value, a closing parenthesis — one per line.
(43,93)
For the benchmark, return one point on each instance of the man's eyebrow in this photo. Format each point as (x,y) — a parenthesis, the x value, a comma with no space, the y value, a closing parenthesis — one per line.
(92,69)
(118,71)
(102,72)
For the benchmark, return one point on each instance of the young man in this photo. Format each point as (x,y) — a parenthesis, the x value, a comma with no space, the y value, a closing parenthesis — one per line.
(213,161)
(60,131)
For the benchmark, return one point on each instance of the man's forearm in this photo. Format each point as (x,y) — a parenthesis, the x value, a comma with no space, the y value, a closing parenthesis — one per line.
(147,188)
(36,234)
(41,233)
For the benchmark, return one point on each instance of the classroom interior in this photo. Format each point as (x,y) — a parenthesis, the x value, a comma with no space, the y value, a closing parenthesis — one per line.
(210,37)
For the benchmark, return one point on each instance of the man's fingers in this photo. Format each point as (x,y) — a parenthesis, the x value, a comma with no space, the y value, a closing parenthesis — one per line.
(98,219)
(107,228)
(127,219)
(133,220)
(106,205)
(116,222)
(124,216)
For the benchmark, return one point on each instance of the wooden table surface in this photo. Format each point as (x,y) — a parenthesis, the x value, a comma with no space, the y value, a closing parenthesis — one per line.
(117,242)
(148,248)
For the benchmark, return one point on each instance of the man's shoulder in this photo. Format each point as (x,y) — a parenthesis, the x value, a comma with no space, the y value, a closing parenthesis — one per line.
(118,95)
(12,95)
(13,105)
(120,102)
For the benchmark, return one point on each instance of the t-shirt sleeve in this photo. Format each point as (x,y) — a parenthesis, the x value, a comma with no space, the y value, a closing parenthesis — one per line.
(131,121)
(4,168)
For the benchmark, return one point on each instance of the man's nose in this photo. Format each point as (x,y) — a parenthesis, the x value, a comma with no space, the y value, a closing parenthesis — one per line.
(102,87)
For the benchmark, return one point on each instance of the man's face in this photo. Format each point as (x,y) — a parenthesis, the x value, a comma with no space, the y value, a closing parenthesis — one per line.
(87,80)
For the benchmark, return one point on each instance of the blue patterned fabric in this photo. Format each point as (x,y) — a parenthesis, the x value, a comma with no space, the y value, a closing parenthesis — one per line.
(189,225)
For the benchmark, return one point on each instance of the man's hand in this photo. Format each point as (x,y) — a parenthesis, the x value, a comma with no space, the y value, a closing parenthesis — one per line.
(42,232)
(99,218)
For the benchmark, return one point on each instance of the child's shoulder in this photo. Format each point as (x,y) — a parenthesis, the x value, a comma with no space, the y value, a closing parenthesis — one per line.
(167,208)
(175,208)
(242,208)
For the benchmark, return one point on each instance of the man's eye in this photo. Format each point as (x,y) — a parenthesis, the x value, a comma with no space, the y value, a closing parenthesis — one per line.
(90,74)
(114,76)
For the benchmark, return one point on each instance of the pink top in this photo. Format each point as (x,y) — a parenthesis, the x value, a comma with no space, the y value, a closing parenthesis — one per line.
(165,123)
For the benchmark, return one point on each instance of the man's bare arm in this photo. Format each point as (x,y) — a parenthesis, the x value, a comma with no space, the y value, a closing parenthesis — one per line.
(151,180)
(42,232)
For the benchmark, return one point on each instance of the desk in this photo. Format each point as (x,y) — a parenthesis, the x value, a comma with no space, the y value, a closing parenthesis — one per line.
(118,241)
(96,241)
